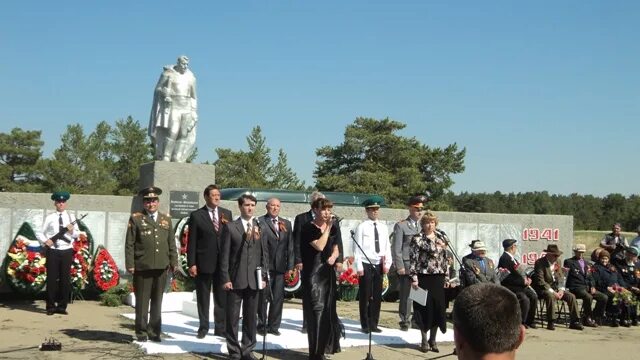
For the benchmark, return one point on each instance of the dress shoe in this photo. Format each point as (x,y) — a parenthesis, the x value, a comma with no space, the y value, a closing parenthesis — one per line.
(589,322)
(625,323)
(303,330)
(142,338)
(62,311)
(424,348)
(376,330)
(404,328)
(531,325)
(615,323)
(274,332)
(364,331)
(50,311)
(433,346)
(576,326)
(261,331)
(201,334)
(219,333)
(155,339)
(551,326)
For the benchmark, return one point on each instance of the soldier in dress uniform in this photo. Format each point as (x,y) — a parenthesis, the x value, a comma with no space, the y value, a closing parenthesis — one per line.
(150,253)
(629,269)
(403,231)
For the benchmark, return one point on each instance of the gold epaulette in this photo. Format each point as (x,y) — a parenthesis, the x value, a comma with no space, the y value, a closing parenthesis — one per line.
(136,214)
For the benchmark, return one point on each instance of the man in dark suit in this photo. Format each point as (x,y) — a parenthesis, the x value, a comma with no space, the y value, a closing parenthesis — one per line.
(202,259)
(281,256)
(403,231)
(299,221)
(244,250)
(482,267)
(519,283)
(150,251)
(581,284)
(546,280)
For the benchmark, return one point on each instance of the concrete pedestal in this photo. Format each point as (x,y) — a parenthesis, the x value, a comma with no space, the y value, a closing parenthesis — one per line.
(174,176)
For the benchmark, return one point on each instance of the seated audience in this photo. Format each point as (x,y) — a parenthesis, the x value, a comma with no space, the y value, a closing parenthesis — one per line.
(580,283)
(607,280)
(629,270)
(519,283)
(546,279)
(482,268)
(487,323)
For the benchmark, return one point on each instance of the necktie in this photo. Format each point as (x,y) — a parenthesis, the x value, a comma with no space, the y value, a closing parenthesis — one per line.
(60,226)
(581,261)
(482,265)
(376,236)
(275,226)
(214,218)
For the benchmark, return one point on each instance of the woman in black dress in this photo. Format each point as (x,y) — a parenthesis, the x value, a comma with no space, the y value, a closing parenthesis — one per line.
(429,270)
(319,249)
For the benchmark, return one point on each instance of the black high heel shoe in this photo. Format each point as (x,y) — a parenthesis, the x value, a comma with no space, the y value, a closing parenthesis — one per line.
(433,346)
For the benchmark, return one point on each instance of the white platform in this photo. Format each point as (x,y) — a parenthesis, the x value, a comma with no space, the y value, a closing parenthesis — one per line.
(182,331)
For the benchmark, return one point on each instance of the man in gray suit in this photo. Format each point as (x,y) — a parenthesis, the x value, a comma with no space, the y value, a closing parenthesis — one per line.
(482,267)
(243,251)
(403,231)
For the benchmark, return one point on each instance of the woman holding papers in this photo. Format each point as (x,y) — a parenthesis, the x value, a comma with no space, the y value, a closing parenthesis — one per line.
(429,264)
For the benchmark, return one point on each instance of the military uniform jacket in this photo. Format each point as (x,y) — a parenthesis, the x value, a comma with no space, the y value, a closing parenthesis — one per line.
(576,278)
(628,272)
(403,231)
(279,243)
(488,275)
(242,254)
(149,244)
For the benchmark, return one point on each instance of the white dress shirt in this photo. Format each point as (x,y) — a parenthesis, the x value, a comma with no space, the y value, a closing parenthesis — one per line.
(51,227)
(366,239)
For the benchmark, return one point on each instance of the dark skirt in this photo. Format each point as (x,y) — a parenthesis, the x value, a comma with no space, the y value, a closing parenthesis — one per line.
(324,329)
(433,314)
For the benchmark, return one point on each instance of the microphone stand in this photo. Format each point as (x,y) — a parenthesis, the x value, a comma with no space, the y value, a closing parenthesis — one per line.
(463,268)
(266,315)
(369,355)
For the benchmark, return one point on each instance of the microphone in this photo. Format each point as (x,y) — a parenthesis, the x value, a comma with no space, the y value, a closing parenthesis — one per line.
(353,233)
(335,217)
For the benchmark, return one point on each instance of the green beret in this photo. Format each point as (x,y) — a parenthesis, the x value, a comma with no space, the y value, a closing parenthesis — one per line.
(151,192)
(60,196)
(373,201)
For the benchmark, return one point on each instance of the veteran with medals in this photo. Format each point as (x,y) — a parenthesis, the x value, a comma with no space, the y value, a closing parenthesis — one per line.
(150,252)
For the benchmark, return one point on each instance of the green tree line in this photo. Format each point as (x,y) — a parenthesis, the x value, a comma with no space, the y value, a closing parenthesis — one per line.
(374,157)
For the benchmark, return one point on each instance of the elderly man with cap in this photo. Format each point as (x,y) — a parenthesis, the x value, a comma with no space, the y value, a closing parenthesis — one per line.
(150,252)
(519,283)
(580,282)
(403,231)
(482,267)
(371,259)
(546,283)
(59,231)
(629,269)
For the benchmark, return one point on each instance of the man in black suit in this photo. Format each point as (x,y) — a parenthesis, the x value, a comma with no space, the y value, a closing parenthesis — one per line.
(519,283)
(299,221)
(281,256)
(203,248)
(581,284)
(244,250)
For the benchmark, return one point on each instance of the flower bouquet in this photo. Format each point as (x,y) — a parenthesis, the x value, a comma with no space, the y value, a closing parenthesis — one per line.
(385,284)
(292,283)
(104,274)
(348,284)
(80,264)
(182,240)
(622,296)
(24,264)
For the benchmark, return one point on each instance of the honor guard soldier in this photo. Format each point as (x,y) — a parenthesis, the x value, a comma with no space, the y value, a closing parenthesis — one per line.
(372,259)
(150,252)
(59,252)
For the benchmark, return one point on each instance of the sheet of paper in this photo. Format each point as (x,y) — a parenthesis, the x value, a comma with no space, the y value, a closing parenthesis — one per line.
(419,295)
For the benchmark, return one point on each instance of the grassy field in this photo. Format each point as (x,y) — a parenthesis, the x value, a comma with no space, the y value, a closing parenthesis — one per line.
(592,238)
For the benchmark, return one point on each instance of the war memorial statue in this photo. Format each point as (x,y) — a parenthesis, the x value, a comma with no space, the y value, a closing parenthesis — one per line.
(172,124)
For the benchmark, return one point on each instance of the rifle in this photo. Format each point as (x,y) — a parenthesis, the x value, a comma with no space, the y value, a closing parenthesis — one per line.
(60,234)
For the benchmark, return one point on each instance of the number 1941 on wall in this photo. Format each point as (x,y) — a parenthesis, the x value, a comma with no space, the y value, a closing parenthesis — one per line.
(534,234)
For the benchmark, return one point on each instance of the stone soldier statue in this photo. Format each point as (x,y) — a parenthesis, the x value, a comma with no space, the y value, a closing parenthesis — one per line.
(172,124)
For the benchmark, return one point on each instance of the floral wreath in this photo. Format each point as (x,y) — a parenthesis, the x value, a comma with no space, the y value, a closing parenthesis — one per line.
(104,274)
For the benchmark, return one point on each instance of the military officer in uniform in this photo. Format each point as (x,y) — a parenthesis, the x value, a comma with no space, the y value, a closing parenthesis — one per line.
(150,252)
(403,231)
(629,269)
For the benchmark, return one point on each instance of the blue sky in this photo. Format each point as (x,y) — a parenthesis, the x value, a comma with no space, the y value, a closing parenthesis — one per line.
(544,95)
